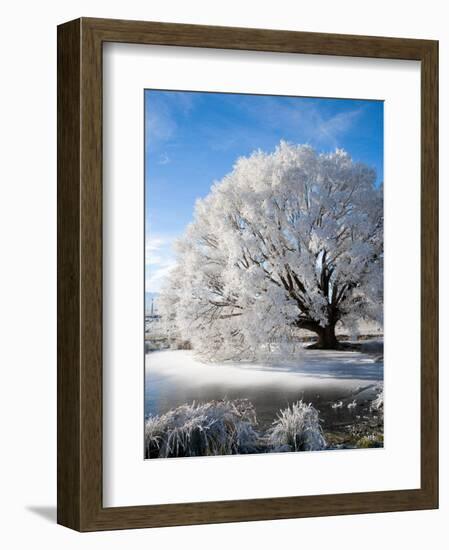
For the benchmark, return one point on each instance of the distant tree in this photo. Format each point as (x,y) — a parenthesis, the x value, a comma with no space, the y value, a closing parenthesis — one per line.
(288,240)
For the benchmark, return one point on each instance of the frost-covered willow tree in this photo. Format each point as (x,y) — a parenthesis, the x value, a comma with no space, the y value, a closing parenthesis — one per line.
(288,240)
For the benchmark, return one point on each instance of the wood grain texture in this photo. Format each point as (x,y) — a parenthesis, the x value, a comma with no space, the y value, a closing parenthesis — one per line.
(69,407)
(80,274)
(429,271)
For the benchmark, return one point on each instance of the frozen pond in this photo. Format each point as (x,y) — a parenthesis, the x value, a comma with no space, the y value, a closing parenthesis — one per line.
(323,378)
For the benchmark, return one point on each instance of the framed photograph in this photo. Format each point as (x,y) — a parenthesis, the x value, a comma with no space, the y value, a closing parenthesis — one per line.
(247,274)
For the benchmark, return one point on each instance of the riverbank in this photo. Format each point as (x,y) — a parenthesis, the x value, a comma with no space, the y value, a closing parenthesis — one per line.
(340,384)
(230,427)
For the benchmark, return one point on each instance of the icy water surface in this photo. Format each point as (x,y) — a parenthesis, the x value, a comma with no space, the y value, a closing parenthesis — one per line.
(330,380)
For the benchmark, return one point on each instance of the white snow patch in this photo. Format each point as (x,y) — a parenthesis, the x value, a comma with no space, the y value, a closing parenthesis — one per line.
(313,368)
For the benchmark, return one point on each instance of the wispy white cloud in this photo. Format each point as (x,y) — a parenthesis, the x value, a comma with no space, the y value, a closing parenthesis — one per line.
(154,260)
(332,128)
(160,123)
(155,280)
(164,159)
(286,116)
(154,243)
(282,117)
(163,110)
(160,259)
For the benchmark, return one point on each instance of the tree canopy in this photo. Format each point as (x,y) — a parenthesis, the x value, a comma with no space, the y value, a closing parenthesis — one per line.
(288,240)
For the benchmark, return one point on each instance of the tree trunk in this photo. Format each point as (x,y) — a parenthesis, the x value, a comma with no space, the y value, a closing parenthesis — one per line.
(326,338)
(326,335)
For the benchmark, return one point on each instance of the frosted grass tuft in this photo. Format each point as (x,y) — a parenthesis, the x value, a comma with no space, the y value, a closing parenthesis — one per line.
(206,429)
(297,428)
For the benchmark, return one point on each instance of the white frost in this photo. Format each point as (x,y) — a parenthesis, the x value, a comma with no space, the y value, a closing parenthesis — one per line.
(314,368)
(289,240)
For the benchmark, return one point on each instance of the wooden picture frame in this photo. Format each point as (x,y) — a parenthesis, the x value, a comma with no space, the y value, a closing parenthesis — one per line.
(80,504)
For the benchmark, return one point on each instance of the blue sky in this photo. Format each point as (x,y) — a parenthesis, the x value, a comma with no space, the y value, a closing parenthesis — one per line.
(194,138)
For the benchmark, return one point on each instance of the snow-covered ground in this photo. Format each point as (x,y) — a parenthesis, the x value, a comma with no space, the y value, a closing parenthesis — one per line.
(312,367)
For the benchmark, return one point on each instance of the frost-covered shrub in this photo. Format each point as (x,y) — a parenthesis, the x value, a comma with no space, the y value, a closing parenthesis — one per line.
(378,403)
(212,428)
(297,428)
